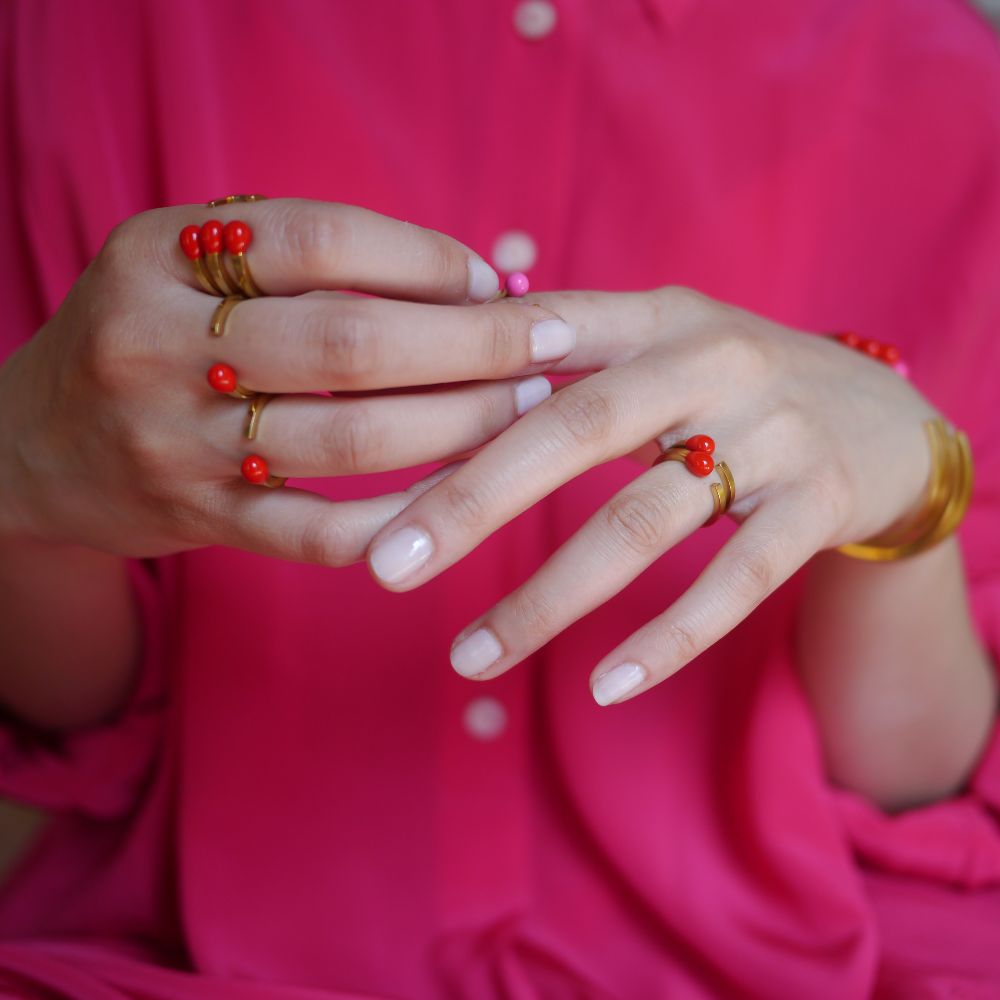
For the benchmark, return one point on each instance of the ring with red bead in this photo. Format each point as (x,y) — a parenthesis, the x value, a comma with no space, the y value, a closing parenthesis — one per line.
(254,470)
(696,454)
(222,378)
(887,353)
(210,237)
(191,246)
(237,237)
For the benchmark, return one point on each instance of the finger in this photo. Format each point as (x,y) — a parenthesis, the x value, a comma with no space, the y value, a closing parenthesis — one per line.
(297,525)
(340,342)
(303,435)
(299,245)
(580,426)
(771,545)
(634,528)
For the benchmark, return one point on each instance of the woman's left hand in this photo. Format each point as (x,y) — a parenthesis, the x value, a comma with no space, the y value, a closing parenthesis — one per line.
(826,446)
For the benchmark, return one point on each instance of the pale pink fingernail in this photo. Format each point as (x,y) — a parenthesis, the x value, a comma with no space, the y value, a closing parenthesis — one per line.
(476,652)
(396,557)
(618,682)
(484,282)
(551,339)
(530,392)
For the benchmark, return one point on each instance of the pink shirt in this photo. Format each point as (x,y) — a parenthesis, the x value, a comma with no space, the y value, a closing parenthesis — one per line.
(317,817)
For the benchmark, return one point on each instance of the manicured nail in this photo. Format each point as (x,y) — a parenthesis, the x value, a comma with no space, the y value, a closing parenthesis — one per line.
(476,652)
(396,557)
(531,392)
(483,280)
(617,683)
(551,339)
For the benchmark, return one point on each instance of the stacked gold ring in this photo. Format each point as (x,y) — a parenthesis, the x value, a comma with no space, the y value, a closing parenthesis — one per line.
(723,492)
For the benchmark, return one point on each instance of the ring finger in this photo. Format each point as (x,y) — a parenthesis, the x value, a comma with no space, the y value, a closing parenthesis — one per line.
(311,435)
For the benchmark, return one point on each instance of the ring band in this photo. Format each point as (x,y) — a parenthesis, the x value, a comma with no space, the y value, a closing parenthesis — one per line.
(234,199)
(723,493)
(257,404)
(217,327)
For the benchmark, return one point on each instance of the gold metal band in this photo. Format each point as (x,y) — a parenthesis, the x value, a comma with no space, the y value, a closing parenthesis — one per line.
(723,493)
(220,277)
(949,490)
(217,327)
(275,481)
(257,404)
(243,277)
(204,278)
(236,199)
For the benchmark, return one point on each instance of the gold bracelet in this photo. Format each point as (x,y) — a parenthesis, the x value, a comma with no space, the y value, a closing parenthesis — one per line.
(949,490)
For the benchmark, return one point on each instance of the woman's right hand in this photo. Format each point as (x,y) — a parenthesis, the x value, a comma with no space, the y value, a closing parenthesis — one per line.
(111,437)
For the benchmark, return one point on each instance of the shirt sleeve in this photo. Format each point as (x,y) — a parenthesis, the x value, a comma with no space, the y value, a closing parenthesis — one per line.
(102,769)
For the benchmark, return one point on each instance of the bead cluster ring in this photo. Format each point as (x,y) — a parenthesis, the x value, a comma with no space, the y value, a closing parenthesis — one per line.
(696,454)
(217,254)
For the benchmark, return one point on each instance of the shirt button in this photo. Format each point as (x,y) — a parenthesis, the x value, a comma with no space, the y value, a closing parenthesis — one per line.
(485,718)
(534,19)
(514,251)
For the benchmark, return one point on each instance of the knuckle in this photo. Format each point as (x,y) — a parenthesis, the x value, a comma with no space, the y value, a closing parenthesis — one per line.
(503,343)
(442,274)
(469,506)
(535,614)
(326,541)
(348,344)
(752,575)
(316,239)
(683,638)
(588,415)
(353,442)
(640,519)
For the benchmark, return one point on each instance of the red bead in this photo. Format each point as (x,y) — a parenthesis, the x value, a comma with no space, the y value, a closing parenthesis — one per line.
(210,235)
(870,347)
(237,236)
(254,469)
(189,242)
(849,339)
(699,463)
(222,378)
(889,354)
(701,442)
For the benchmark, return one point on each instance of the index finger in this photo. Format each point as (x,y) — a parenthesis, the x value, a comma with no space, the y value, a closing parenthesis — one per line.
(300,245)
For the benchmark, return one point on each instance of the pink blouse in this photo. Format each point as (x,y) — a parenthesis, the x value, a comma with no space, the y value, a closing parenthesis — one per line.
(330,812)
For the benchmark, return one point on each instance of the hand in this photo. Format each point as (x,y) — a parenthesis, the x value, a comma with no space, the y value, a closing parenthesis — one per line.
(826,446)
(111,437)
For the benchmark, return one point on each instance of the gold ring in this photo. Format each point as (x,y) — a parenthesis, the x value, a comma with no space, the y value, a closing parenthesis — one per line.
(217,327)
(243,278)
(723,493)
(257,404)
(236,199)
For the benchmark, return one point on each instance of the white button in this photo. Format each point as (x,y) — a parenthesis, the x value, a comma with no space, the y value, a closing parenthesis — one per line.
(485,718)
(534,19)
(514,251)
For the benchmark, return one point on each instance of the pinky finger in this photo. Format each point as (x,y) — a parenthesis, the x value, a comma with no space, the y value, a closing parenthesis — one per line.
(769,547)
(301,526)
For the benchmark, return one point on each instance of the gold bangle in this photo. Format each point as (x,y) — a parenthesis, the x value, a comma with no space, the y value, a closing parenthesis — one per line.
(723,493)
(257,404)
(949,490)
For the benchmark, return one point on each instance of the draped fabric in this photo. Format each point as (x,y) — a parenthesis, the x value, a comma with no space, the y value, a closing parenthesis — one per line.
(309,817)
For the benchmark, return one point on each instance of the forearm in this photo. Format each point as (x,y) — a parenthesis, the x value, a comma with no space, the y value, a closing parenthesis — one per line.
(904,695)
(69,633)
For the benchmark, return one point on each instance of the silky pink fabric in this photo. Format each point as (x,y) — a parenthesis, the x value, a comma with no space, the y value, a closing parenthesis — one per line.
(305,815)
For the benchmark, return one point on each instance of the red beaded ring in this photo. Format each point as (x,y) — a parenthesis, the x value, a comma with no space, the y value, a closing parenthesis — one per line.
(696,454)
(254,470)
(886,353)
(222,379)
(210,236)
(191,245)
(237,237)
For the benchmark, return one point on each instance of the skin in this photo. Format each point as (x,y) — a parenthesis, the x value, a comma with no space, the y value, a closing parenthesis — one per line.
(112,445)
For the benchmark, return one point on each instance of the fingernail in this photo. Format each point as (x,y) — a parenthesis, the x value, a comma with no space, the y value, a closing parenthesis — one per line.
(396,557)
(476,652)
(618,682)
(483,280)
(531,392)
(551,339)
